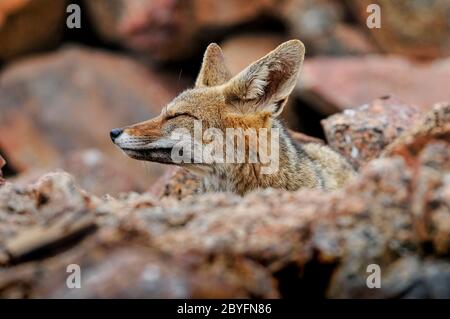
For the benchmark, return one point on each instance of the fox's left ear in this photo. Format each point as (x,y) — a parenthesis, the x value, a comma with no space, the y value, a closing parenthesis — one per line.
(267,83)
(213,71)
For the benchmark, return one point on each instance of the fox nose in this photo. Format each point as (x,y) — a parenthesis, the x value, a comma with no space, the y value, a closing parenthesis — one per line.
(115,132)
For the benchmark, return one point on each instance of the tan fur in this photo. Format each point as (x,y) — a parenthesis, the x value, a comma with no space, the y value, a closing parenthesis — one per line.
(251,99)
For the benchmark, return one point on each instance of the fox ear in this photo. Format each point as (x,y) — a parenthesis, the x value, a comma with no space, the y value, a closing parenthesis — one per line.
(267,83)
(213,71)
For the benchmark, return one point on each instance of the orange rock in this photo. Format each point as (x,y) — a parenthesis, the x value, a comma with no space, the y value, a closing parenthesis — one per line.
(413,28)
(27,26)
(362,133)
(172,29)
(331,85)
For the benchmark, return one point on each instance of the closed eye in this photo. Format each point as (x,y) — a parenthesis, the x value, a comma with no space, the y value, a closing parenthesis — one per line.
(172,116)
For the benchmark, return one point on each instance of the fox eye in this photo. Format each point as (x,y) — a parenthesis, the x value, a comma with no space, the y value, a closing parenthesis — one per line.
(172,116)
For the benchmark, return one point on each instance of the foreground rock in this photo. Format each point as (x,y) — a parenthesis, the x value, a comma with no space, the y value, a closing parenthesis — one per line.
(104,244)
(29,25)
(362,133)
(333,84)
(427,31)
(70,100)
(271,243)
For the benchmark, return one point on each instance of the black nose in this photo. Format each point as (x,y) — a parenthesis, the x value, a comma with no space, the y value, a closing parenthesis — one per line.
(115,132)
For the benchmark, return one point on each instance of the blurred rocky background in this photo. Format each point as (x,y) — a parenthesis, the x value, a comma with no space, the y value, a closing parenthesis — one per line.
(380,96)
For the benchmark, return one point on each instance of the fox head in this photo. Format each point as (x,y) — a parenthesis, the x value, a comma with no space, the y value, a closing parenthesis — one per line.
(251,99)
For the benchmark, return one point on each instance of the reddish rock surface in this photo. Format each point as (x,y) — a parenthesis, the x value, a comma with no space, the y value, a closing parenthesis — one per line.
(333,84)
(435,125)
(29,25)
(176,182)
(414,28)
(303,138)
(175,29)
(97,174)
(348,39)
(320,25)
(170,29)
(163,28)
(220,13)
(93,171)
(70,100)
(361,134)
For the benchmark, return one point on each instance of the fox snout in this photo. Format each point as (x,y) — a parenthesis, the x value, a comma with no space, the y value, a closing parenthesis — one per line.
(115,133)
(143,141)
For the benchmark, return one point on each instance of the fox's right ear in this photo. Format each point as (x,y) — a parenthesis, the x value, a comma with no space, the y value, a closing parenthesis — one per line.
(266,84)
(213,71)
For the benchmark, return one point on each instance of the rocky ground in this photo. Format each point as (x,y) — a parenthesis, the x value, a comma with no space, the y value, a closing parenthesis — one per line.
(271,243)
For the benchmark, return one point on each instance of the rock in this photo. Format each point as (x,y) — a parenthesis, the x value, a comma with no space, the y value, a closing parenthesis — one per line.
(419,279)
(303,138)
(433,126)
(312,19)
(109,250)
(320,25)
(36,217)
(430,183)
(70,100)
(145,273)
(95,173)
(162,29)
(427,31)
(177,30)
(171,29)
(176,182)
(27,26)
(331,85)
(216,13)
(346,39)
(361,134)
(151,275)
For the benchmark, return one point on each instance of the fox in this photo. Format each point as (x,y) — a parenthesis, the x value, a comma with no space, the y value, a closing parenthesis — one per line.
(252,99)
